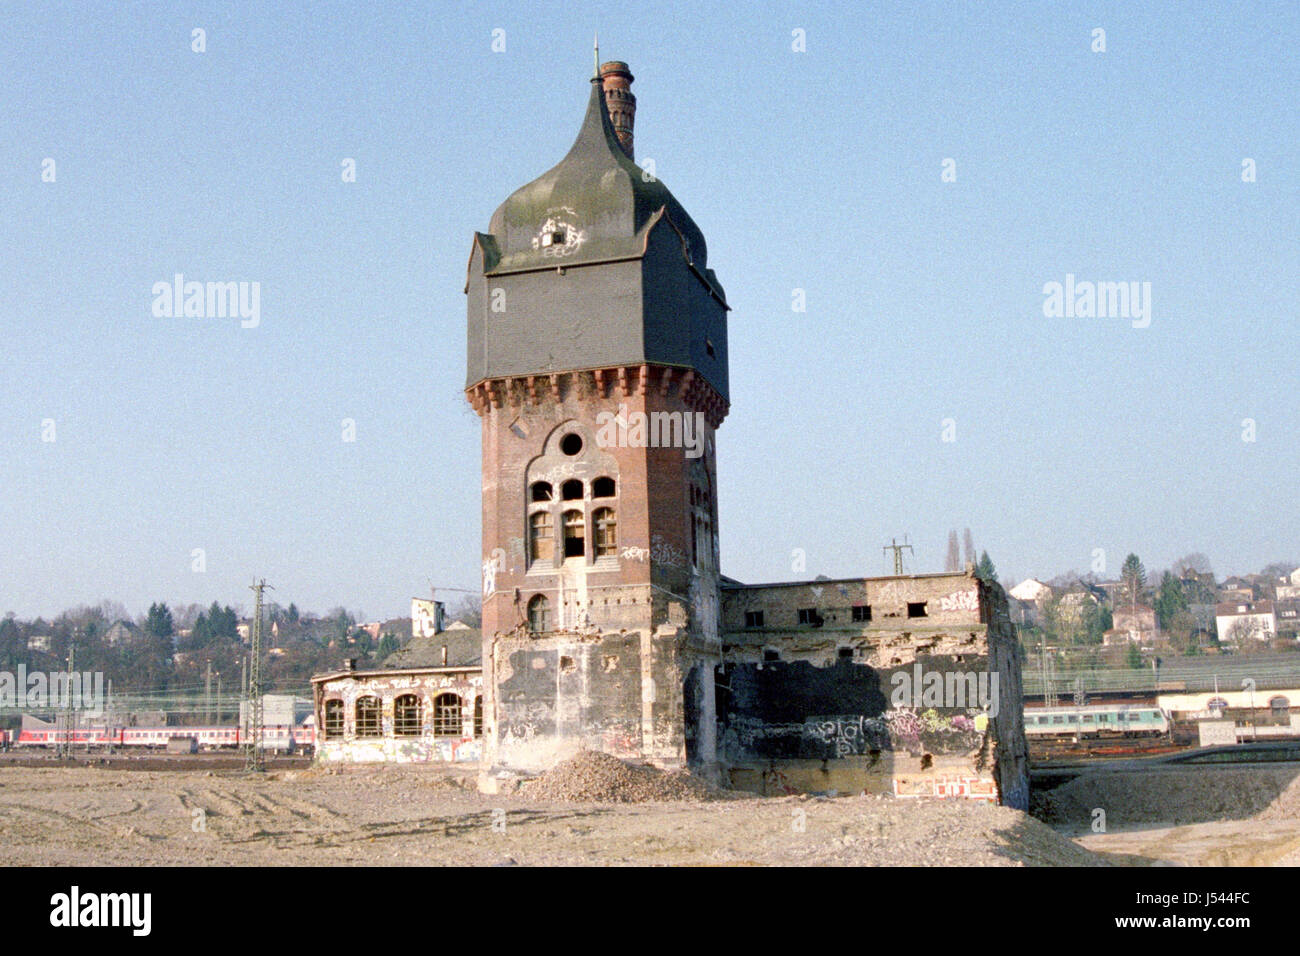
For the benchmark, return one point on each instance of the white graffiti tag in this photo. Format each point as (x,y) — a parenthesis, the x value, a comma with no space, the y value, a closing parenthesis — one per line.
(490,568)
(961,601)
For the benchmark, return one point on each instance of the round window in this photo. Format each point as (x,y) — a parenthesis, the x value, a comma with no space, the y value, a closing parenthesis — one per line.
(571,444)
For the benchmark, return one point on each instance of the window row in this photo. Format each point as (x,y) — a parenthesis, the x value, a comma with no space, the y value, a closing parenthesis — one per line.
(408,716)
(811,616)
(571,490)
(573,528)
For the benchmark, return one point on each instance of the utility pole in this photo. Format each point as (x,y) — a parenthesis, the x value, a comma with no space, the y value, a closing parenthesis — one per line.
(254,759)
(69,722)
(898,550)
(207,693)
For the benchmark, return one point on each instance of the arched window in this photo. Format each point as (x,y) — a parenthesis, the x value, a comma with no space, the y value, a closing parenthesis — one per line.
(603,488)
(575,535)
(478,716)
(1279,705)
(541,536)
(407,716)
(447,720)
(541,491)
(539,615)
(571,490)
(367,717)
(606,532)
(333,718)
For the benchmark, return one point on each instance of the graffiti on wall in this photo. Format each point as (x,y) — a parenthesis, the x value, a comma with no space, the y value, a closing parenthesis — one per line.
(964,785)
(960,601)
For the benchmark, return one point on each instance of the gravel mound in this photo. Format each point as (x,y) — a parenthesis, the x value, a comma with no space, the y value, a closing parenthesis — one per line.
(1175,797)
(595,777)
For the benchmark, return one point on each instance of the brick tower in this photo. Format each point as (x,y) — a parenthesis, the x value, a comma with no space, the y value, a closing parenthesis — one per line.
(597,362)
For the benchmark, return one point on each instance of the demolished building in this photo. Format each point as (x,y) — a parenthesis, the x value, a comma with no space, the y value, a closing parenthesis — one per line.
(597,363)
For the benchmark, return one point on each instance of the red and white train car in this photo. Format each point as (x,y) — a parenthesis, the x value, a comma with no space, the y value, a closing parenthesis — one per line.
(279,737)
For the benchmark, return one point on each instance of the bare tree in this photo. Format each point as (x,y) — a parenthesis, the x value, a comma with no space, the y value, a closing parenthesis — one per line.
(969,545)
(953,561)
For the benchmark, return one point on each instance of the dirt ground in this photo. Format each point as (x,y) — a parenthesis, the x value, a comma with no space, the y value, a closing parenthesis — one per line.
(1191,816)
(403,815)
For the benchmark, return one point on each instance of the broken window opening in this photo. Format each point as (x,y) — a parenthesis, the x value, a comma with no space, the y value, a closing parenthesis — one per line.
(917,609)
(846,653)
(861,613)
(539,615)
(478,716)
(809,615)
(542,491)
(770,656)
(367,717)
(753,619)
(571,490)
(407,716)
(447,720)
(571,444)
(603,488)
(575,535)
(333,718)
(541,532)
(606,532)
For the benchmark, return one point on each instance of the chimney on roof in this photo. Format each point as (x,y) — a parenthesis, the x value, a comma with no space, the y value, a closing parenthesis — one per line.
(616,79)
(444,655)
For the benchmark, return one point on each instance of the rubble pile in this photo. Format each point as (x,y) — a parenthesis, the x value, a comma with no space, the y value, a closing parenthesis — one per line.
(595,777)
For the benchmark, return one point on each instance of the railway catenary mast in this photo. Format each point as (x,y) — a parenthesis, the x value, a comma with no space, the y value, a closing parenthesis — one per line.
(254,760)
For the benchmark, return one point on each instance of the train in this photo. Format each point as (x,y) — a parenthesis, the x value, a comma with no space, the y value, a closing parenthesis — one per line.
(1097,722)
(282,738)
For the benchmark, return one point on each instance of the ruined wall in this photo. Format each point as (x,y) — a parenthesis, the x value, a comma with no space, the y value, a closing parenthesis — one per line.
(428,747)
(917,692)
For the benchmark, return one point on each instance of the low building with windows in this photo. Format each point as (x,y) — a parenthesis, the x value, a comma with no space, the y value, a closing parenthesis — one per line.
(418,713)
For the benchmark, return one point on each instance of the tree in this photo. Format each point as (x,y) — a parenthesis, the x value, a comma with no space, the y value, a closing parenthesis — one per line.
(1170,601)
(159,623)
(1134,577)
(985,570)
(387,646)
(468,610)
(969,543)
(952,562)
(1192,562)
(12,645)
(293,613)
(1096,621)
(1134,657)
(1181,632)
(1279,569)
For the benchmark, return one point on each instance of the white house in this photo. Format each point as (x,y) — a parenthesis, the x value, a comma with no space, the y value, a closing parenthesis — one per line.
(1239,620)
(1031,590)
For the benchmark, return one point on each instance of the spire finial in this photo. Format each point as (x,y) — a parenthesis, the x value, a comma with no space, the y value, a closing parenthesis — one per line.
(595,47)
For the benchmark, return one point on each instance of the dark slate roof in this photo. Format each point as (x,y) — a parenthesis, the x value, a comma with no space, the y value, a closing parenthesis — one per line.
(618,204)
(464,648)
(601,268)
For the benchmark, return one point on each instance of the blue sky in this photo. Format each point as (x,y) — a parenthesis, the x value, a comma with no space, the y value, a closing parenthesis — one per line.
(816,170)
